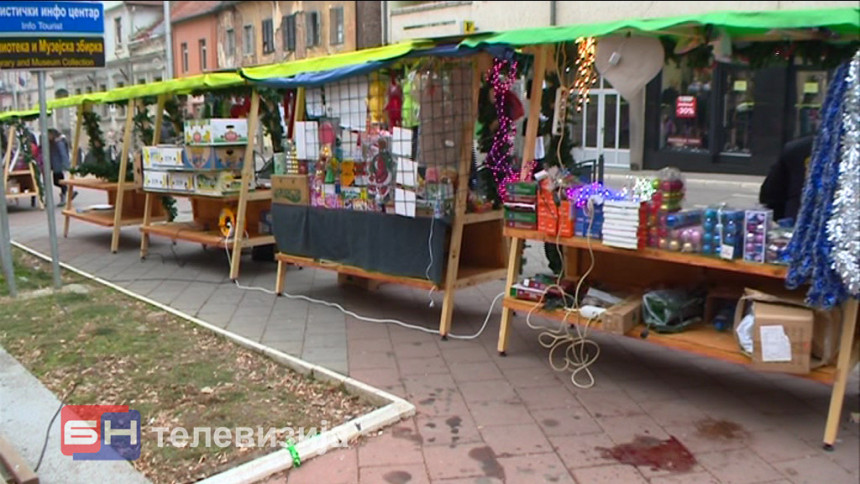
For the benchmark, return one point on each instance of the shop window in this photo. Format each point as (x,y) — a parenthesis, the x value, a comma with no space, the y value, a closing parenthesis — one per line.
(810,91)
(288,31)
(685,102)
(737,112)
(268,36)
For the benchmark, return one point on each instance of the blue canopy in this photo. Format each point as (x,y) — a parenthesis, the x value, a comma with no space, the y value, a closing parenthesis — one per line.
(315,79)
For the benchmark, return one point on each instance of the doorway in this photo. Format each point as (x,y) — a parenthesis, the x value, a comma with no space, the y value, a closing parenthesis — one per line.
(603,126)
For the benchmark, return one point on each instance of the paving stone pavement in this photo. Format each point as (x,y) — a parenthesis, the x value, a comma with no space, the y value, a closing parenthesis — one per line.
(483,418)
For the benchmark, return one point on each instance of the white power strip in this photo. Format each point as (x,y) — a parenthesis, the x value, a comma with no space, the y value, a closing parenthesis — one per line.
(591,312)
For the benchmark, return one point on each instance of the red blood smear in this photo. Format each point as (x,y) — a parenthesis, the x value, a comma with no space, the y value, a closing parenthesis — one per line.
(668,454)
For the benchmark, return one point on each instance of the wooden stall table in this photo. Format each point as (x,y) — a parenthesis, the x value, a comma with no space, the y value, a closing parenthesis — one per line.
(651,267)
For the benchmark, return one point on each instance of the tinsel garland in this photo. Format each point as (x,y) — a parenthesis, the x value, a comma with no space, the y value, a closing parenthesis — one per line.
(499,159)
(809,250)
(843,228)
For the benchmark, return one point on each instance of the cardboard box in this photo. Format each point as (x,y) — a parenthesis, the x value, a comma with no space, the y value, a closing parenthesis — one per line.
(216,183)
(216,131)
(164,157)
(214,158)
(554,220)
(624,316)
(155,180)
(290,189)
(181,182)
(782,338)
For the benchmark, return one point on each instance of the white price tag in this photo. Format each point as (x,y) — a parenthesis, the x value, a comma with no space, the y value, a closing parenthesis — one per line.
(727,251)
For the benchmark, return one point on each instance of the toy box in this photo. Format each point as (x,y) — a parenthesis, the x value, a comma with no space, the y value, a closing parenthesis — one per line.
(155,180)
(216,183)
(214,158)
(216,131)
(181,182)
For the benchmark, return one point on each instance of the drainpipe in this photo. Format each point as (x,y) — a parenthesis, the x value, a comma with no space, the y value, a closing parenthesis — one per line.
(168,43)
(384,12)
(553,17)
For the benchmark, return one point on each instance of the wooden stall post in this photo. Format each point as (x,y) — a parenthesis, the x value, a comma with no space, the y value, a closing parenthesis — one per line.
(457,230)
(7,157)
(515,255)
(123,168)
(147,204)
(849,347)
(247,174)
(76,143)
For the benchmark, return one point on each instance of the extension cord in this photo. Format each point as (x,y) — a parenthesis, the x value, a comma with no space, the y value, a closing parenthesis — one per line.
(591,312)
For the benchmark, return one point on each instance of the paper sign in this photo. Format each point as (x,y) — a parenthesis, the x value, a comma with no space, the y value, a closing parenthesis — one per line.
(401,142)
(810,88)
(727,251)
(404,202)
(407,173)
(740,85)
(307,140)
(775,345)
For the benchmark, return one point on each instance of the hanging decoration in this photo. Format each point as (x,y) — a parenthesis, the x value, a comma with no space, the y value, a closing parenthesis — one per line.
(843,228)
(810,248)
(500,153)
(586,75)
(96,162)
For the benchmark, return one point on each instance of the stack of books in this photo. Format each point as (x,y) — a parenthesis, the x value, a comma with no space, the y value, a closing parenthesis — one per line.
(625,224)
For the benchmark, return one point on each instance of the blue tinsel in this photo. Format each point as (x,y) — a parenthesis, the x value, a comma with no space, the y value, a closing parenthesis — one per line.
(809,250)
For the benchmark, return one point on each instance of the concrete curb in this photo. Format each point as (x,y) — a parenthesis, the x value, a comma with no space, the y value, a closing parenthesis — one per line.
(393,410)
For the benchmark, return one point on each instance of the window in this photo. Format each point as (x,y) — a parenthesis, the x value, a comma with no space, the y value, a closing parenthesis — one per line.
(268,36)
(120,84)
(157,79)
(231,42)
(102,88)
(312,28)
(810,89)
(335,17)
(248,40)
(77,91)
(202,46)
(184,49)
(685,102)
(117,31)
(288,30)
(141,81)
(737,95)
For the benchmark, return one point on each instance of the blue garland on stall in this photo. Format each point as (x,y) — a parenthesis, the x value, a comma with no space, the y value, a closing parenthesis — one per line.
(810,247)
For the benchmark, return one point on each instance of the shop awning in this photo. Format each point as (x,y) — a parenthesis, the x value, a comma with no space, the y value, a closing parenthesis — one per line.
(842,24)
(181,85)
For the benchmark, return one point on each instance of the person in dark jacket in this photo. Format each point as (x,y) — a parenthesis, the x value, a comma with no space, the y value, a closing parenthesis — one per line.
(783,186)
(59,160)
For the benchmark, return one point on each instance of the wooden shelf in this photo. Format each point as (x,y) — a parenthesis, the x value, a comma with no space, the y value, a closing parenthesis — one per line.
(254,195)
(189,232)
(701,339)
(105,218)
(22,195)
(20,173)
(767,270)
(474,218)
(471,276)
(96,184)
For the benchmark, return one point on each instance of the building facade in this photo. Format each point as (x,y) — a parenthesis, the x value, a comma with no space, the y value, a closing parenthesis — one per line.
(742,116)
(194,32)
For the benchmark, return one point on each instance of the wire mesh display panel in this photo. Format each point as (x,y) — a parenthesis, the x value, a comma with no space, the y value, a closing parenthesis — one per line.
(390,141)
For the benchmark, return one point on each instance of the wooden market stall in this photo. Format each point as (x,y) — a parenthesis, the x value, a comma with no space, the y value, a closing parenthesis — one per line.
(131,200)
(649,267)
(347,220)
(20,183)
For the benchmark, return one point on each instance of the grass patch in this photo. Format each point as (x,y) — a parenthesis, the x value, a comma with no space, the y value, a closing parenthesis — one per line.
(30,273)
(121,351)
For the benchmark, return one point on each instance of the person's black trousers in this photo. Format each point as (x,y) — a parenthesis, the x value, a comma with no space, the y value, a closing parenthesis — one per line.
(58,176)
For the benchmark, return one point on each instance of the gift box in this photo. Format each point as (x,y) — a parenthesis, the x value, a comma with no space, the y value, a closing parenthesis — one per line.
(214,158)
(216,131)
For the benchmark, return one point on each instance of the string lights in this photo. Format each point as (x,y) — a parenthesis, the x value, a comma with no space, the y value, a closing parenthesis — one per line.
(582,193)
(499,160)
(586,74)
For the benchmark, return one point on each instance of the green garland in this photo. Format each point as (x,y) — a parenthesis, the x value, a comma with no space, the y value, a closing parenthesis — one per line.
(143,125)
(27,153)
(174,113)
(96,163)
(270,117)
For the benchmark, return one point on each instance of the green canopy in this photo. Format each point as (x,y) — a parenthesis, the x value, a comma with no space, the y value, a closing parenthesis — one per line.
(181,85)
(329,62)
(30,113)
(740,26)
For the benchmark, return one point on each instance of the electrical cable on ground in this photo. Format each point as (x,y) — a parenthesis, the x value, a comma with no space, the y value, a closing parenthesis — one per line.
(369,319)
(51,424)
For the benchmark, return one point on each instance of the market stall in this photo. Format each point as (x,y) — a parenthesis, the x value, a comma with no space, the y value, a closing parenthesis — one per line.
(21,174)
(375,181)
(710,281)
